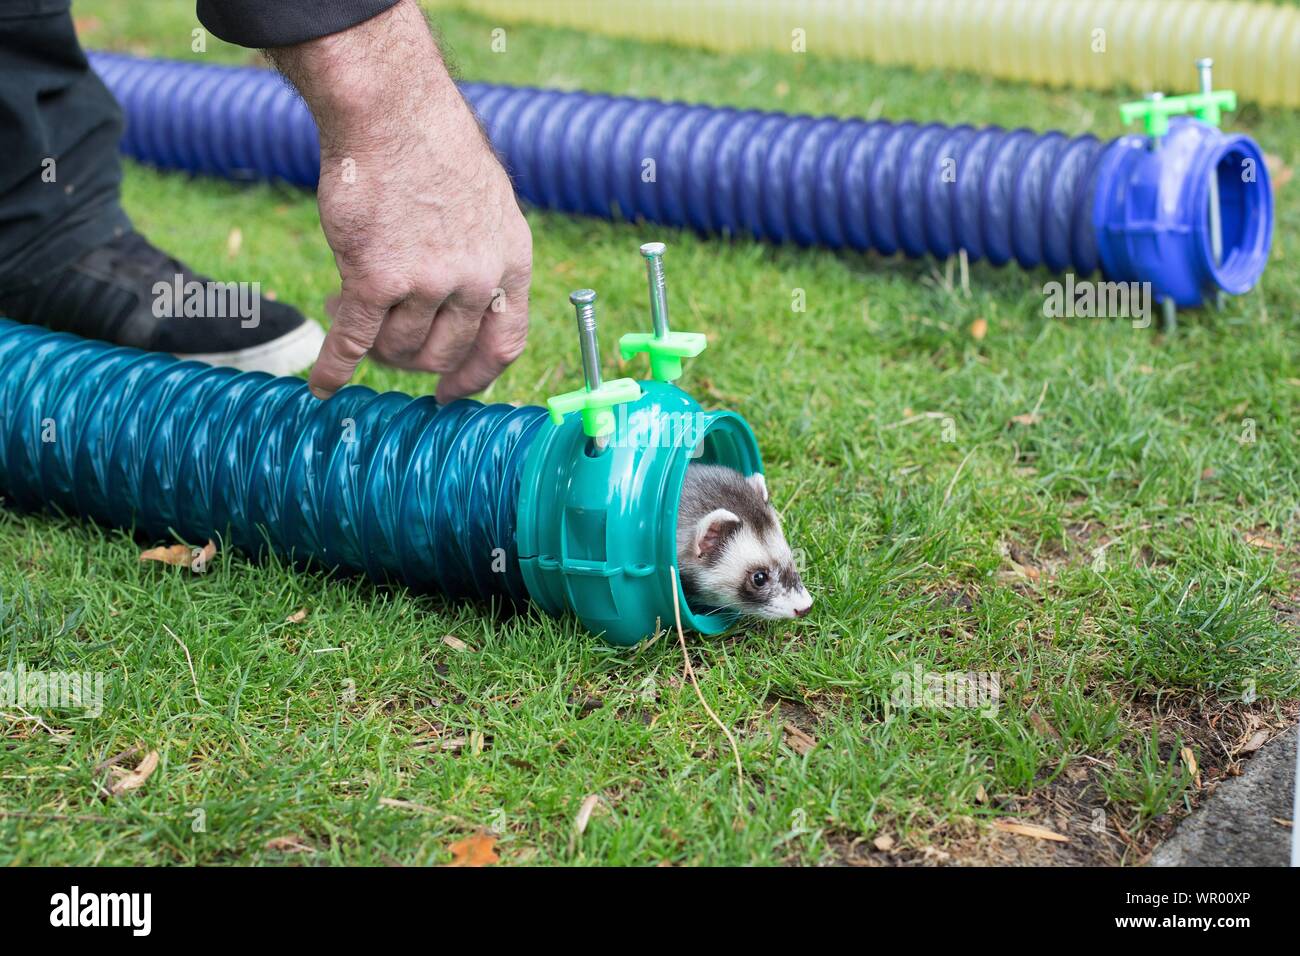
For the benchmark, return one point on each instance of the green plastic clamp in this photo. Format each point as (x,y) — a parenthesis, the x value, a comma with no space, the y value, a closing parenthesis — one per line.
(665,353)
(596,405)
(1154,114)
(597,534)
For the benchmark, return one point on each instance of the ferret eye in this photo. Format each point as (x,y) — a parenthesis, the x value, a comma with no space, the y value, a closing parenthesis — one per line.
(758,578)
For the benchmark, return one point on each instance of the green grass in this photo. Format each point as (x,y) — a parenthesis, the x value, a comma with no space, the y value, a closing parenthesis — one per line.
(1145,608)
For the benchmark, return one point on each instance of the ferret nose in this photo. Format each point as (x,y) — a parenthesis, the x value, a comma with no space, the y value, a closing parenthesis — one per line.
(802,611)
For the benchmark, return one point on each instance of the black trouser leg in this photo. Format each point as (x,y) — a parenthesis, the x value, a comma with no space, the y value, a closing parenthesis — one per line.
(59,129)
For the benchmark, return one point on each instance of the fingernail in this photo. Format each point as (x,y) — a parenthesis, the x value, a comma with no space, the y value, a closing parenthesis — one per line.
(320,393)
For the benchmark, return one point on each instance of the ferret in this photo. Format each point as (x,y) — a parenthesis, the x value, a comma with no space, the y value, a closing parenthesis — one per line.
(731,552)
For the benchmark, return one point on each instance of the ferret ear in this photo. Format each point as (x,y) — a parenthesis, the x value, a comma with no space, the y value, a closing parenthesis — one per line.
(758,483)
(712,531)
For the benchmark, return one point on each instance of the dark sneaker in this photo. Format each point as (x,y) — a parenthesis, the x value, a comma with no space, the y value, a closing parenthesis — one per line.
(129,293)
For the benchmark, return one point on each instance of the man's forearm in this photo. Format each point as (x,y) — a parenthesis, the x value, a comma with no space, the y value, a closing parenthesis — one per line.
(364,84)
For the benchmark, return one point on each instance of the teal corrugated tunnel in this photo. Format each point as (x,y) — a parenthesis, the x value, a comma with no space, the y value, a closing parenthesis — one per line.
(472,500)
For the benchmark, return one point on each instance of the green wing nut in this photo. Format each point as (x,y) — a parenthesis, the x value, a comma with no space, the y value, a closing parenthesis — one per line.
(666,352)
(596,405)
(1154,113)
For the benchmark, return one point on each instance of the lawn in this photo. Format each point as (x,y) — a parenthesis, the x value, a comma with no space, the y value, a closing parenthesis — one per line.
(1101,518)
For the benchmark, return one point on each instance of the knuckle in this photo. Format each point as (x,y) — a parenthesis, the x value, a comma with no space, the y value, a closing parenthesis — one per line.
(383,289)
(475,291)
(431,288)
(483,292)
(505,349)
(350,343)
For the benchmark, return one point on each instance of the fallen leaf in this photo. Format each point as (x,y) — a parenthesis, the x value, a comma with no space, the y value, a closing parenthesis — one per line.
(1027,419)
(177,555)
(182,556)
(1257,740)
(233,242)
(454,642)
(1189,759)
(476,850)
(981,795)
(978,329)
(589,805)
(134,779)
(476,742)
(1042,726)
(884,843)
(286,844)
(1260,541)
(1022,569)
(1029,830)
(297,617)
(798,741)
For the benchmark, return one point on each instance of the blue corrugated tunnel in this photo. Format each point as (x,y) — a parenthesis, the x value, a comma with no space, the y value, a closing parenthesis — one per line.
(1038,199)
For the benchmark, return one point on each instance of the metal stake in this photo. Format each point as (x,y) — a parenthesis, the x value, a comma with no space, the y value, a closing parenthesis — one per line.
(1204,70)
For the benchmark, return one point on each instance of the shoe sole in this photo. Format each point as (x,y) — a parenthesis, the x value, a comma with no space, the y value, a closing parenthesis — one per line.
(287,355)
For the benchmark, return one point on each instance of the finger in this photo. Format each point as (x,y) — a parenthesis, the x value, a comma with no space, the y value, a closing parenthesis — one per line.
(454,330)
(350,336)
(405,330)
(500,340)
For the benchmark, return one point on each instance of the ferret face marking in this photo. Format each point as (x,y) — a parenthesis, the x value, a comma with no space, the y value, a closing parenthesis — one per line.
(737,556)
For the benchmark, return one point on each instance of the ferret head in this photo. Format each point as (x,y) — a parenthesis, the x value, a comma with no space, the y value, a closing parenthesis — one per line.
(734,554)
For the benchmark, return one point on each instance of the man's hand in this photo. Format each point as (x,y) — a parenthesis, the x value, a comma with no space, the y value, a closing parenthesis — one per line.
(434,254)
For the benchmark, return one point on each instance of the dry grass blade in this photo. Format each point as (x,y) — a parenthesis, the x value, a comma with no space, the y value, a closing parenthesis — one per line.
(1029,830)
(690,673)
(584,813)
(134,779)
